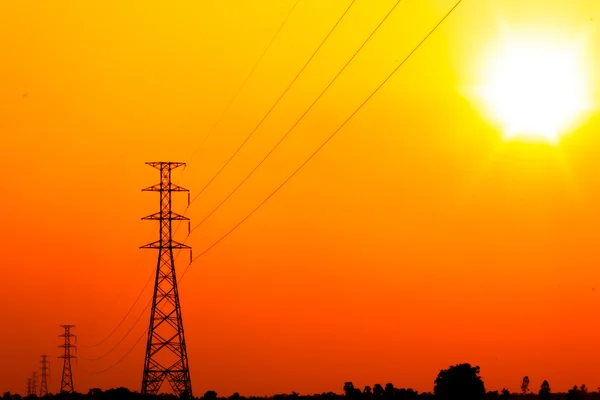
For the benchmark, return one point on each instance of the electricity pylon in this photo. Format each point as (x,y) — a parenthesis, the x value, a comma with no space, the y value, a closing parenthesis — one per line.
(28,387)
(44,382)
(166,354)
(34,384)
(66,383)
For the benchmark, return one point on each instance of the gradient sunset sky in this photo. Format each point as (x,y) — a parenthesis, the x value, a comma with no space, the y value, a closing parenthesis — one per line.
(421,236)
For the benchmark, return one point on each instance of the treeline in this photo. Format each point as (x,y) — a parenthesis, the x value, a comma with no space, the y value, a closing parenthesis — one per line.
(390,393)
(458,382)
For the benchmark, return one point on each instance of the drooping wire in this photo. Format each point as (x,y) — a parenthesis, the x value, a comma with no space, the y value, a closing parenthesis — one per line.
(122,339)
(394,71)
(301,116)
(124,317)
(268,112)
(120,359)
(239,90)
(360,106)
(276,102)
(235,96)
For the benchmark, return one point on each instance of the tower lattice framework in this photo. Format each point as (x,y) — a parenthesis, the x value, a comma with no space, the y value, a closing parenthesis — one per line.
(34,384)
(66,382)
(166,354)
(44,381)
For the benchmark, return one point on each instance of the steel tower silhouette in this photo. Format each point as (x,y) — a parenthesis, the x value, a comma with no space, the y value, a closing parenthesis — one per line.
(44,382)
(34,384)
(166,354)
(66,383)
(29,392)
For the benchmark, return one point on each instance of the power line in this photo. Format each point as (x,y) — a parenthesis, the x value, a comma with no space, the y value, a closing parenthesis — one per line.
(133,326)
(124,318)
(361,105)
(120,359)
(277,101)
(239,90)
(237,93)
(128,351)
(122,339)
(301,116)
(127,334)
(300,167)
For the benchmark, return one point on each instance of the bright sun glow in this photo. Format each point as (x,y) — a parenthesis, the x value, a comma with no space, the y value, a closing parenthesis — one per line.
(537,90)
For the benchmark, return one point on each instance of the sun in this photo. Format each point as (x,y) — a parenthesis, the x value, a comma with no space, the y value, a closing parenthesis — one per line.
(536,89)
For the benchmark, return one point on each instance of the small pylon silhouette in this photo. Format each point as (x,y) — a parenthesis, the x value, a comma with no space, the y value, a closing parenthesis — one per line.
(44,382)
(29,387)
(34,384)
(66,383)
(166,354)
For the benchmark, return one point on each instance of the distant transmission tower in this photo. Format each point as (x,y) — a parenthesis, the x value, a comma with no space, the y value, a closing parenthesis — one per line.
(44,382)
(34,384)
(29,393)
(166,354)
(66,383)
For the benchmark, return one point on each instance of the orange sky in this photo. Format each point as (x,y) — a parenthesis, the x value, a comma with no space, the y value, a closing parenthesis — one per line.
(416,239)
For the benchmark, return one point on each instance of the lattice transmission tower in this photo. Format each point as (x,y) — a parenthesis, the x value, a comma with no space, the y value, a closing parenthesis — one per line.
(66,382)
(166,354)
(29,392)
(44,381)
(34,384)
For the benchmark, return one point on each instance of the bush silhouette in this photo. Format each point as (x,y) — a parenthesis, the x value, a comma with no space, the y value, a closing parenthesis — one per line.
(459,382)
(544,392)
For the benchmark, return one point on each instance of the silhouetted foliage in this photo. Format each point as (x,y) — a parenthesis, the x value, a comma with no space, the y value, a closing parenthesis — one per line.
(210,395)
(544,393)
(525,385)
(348,388)
(377,390)
(388,392)
(459,382)
(574,393)
(351,392)
(492,395)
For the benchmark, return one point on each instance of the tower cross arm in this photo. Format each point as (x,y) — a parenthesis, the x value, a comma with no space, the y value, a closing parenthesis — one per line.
(157,245)
(171,215)
(163,164)
(170,187)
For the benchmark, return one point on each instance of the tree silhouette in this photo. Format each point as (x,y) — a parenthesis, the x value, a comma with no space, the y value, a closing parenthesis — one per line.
(351,392)
(574,393)
(505,393)
(377,390)
(405,394)
(525,385)
(459,382)
(389,391)
(210,395)
(348,389)
(544,392)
